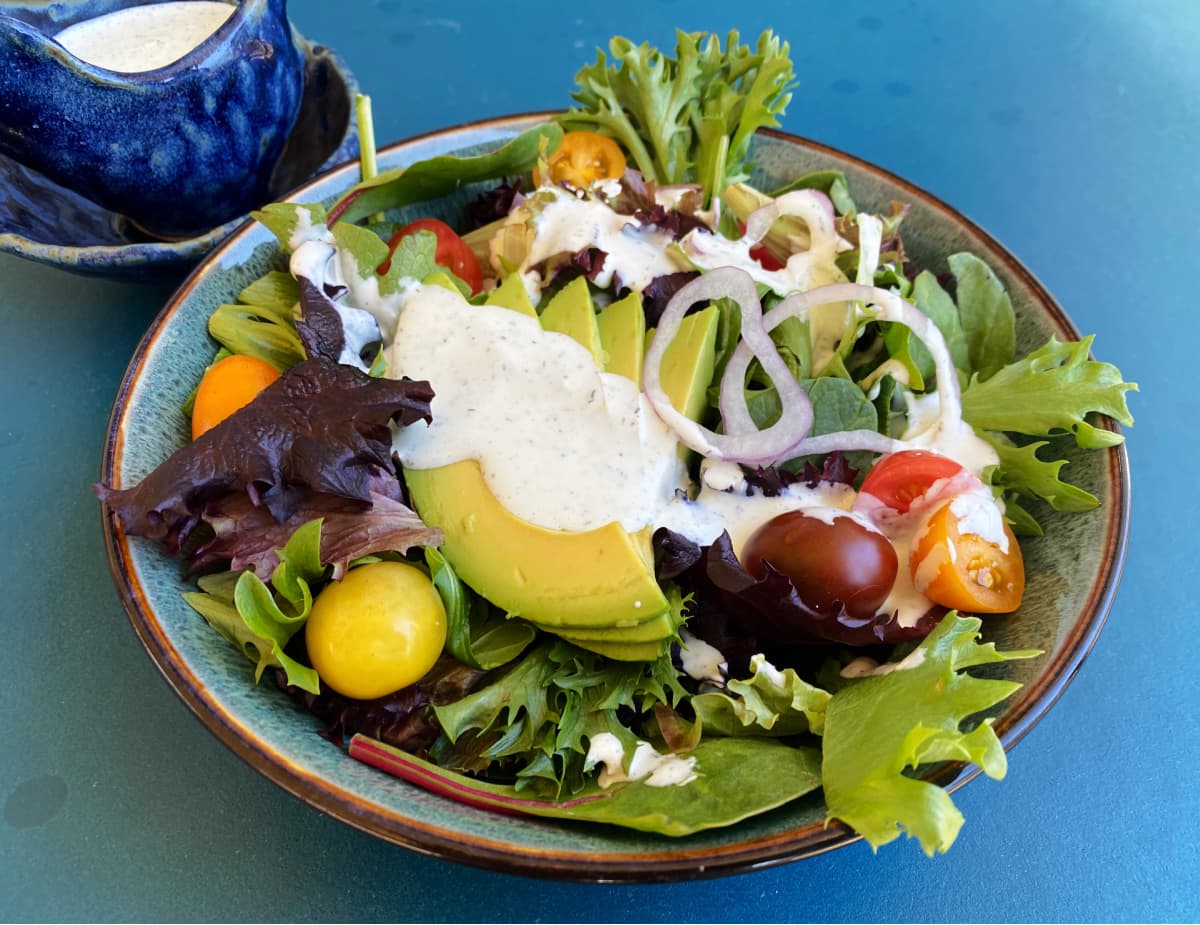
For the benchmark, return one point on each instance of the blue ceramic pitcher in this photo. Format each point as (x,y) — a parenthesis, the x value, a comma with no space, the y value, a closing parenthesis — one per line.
(178,150)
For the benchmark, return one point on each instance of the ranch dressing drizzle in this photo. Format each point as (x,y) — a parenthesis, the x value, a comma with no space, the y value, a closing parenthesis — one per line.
(636,255)
(144,38)
(559,443)
(647,764)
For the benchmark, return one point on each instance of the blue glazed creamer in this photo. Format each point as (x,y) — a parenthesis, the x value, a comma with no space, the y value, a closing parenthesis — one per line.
(178,149)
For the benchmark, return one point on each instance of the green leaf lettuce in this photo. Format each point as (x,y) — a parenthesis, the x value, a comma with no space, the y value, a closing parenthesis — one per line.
(882,726)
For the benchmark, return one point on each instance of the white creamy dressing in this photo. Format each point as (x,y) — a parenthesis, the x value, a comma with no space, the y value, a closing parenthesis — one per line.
(647,764)
(864,666)
(144,38)
(700,660)
(560,443)
(636,254)
(725,502)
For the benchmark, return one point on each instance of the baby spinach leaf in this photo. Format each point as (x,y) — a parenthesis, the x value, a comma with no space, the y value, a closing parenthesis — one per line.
(988,322)
(443,174)
(735,778)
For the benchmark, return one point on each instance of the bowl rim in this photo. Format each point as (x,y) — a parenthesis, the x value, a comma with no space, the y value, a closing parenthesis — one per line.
(676,861)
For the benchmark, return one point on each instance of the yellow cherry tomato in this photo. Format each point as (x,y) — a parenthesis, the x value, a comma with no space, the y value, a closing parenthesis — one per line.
(964,571)
(228,385)
(377,630)
(582,158)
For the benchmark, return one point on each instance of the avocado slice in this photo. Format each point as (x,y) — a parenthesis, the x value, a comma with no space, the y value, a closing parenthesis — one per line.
(571,312)
(687,365)
(624,651)
(511,294)
(593,579)
(662,626)
(595,588)
(623,337)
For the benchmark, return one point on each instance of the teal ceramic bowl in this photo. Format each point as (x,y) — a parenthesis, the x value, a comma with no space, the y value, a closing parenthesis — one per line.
(1072,573)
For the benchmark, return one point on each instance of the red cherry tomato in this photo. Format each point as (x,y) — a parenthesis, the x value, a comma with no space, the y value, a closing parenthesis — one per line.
(452,251)
(762,255)
(831,558)
(768,260)
(899,479)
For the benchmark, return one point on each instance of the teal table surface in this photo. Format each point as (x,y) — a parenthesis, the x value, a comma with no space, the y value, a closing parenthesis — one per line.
(1070,131)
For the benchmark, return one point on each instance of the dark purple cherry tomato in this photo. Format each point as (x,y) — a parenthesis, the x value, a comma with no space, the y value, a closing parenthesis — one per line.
(831,560)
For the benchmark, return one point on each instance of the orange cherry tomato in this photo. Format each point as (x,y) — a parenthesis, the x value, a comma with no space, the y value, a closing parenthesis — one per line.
(899,479)
(582,158)
(453,253)
(228,385)
(965,571)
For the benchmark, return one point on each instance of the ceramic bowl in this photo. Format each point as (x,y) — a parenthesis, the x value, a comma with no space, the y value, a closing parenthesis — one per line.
(1072,573)
(45,222)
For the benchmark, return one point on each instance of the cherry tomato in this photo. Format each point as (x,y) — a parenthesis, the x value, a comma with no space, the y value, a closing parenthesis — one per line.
(831,558)
(377,630)
(965,571)
(765,258)
(453,253)
(582,158)
(899,479)
(228,385)
(762,254)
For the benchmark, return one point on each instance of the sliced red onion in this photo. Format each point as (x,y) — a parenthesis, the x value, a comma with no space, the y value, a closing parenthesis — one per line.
(812,207)
(742,442)
(891,308)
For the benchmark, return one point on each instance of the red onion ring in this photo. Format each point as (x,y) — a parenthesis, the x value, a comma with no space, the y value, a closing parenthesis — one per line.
(894,309)
(747,444)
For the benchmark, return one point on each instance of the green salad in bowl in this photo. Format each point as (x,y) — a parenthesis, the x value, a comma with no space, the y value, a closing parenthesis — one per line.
(636,465)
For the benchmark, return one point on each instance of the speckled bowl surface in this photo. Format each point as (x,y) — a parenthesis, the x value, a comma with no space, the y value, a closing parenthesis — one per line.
(47,223)
(1073,571)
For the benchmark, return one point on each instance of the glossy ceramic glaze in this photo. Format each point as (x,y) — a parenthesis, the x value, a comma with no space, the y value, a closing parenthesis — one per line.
(1073,571)
(45,222)
(180,149)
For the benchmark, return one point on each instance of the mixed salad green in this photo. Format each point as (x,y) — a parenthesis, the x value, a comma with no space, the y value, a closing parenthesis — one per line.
(856,426)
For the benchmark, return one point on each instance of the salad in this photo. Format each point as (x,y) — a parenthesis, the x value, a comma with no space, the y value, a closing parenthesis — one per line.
(634,494)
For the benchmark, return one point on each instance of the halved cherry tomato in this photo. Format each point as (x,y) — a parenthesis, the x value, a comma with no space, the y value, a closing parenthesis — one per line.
(228,385)
(582,158)
(899,479)
(452,251)
(965,571)
(832,559)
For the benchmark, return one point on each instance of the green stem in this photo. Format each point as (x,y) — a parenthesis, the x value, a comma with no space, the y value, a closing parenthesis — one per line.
(368,166)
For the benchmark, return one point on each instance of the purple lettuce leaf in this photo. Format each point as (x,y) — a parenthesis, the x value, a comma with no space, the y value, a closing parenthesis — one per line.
(320,327)
(249,537)
(772,481)
(401,719)
(320,430)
